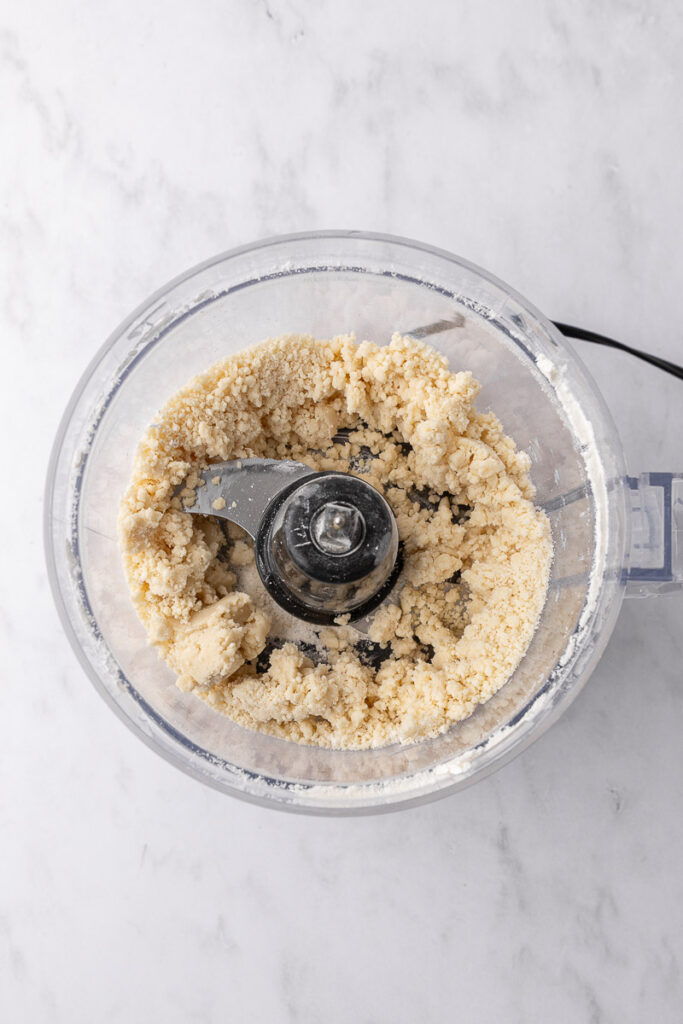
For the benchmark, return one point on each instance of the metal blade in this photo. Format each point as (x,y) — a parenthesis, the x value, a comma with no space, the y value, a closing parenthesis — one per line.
(240,491)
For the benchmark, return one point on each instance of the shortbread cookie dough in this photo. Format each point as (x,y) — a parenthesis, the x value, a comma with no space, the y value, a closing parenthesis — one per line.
(477,552)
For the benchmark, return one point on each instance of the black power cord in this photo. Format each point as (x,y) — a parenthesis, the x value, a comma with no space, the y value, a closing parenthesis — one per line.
(599,339)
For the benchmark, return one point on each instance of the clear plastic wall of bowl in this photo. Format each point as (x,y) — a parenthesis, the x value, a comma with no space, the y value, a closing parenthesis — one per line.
(327,284)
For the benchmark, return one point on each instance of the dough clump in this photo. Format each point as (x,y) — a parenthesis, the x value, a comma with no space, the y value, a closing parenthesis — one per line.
(477,552)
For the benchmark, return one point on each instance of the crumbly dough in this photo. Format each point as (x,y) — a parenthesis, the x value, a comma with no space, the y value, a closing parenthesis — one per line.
(477,552)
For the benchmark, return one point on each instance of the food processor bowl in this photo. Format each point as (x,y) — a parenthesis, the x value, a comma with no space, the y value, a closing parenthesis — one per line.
(325,284)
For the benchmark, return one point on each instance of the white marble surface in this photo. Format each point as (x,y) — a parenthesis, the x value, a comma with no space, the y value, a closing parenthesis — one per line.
(541,140)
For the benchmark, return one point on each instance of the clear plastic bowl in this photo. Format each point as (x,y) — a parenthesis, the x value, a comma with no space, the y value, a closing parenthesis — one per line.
(325,284)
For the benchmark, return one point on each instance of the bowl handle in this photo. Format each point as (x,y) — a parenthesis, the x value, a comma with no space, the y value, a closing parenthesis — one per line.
(655,562)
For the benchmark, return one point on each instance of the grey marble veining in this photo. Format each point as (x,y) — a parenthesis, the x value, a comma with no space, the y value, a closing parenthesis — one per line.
(542,141)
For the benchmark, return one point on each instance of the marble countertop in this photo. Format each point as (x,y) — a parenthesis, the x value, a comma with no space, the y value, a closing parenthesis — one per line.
(542,141)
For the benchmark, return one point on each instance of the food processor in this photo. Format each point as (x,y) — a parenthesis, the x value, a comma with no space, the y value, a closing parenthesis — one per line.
(613,535)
